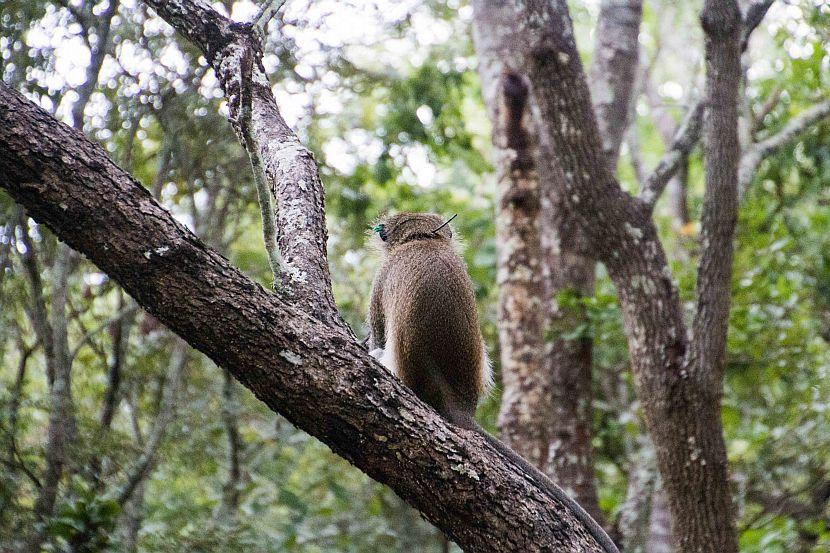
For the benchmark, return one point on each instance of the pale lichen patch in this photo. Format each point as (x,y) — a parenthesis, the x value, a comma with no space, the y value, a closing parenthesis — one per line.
(291,357)
(633,231)
(462,468)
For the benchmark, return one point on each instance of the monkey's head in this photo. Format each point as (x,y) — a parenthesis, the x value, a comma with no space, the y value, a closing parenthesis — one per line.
(394,230)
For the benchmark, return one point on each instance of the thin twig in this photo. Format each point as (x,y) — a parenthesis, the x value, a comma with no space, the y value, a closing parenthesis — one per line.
(141,468)
(92,332)
(794,127)
(769,104)
(684,141)
(268,10)
(266,201)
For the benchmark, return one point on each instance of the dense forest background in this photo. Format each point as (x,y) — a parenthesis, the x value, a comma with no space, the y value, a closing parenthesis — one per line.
(169,453)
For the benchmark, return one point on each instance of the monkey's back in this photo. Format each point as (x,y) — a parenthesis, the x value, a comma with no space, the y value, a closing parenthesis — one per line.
(436,341)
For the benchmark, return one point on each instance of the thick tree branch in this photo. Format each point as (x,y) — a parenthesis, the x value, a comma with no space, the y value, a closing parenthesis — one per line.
(317,377)
(288,165)
(754,155)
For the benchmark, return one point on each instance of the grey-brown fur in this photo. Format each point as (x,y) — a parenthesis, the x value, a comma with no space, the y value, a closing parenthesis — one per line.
(424,327)
(423,318)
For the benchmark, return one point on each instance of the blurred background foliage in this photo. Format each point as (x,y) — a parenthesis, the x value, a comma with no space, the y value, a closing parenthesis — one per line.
(387,96)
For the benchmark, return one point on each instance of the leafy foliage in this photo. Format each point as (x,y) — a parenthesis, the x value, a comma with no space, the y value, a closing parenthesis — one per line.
(396,122)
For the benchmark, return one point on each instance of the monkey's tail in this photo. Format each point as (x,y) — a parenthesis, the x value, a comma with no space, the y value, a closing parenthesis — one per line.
(537,476)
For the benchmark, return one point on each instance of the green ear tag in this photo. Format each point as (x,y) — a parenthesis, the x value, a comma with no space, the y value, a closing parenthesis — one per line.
(377,228)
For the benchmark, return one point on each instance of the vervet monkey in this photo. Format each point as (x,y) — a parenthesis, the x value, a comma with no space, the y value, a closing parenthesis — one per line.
(424,329)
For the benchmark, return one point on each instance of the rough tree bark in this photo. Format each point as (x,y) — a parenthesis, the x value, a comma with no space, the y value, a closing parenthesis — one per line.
(546,406)
(570,361)
(524,419)
(675,386)
(313,373)
(234,52)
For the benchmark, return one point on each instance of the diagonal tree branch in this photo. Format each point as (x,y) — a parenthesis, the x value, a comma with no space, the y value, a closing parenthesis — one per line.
(289,166)
(316,376)
(753,16)
(689,131)
(756,153)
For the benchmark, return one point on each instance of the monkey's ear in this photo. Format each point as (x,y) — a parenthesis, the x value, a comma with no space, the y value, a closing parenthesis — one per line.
(381,230)
(444,224)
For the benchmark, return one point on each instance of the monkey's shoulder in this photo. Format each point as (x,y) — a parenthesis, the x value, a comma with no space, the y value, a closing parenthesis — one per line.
(426,268)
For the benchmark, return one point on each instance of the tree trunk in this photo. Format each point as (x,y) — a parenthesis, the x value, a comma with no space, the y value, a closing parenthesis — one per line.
(613,73)
(570,361)
(524,420)
(681,410)
(61,430)
(546,406)
(230,419)
(659,530)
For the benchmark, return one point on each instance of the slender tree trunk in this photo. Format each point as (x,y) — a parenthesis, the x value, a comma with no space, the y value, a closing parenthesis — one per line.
(112,396)
(525,413)
(61,430)
(142,467)
(570,361)
(635,514)
(230,419)
(677,192)
(612,76)
(695,464)
(133,515)
(659,530)
(11,454)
